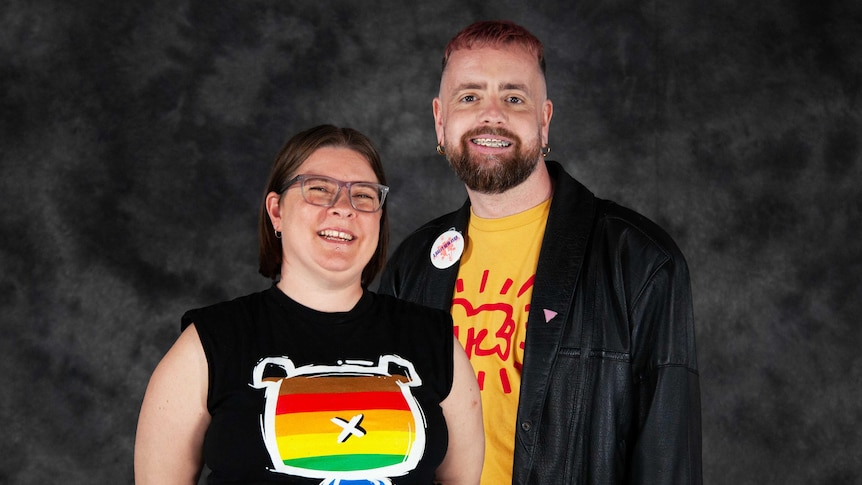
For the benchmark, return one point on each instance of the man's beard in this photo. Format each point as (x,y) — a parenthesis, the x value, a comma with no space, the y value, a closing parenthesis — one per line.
(493,174)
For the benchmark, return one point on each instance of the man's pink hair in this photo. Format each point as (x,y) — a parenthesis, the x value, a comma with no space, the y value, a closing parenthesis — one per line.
(495,33)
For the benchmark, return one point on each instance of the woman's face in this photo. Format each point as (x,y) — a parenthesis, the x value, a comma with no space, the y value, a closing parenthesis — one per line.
(328,245)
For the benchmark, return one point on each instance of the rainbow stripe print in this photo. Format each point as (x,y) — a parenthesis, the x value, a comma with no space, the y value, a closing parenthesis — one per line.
(351,421)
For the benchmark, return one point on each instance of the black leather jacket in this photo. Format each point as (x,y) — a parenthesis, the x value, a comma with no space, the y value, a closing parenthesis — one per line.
(610,390)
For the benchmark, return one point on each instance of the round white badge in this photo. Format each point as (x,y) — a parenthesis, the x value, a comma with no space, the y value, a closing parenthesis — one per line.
(447,249)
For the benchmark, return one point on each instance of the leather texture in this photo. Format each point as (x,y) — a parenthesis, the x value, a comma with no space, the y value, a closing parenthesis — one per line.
(610,389)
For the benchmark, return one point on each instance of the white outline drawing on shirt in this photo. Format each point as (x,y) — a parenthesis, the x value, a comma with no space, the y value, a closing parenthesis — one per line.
(348,427)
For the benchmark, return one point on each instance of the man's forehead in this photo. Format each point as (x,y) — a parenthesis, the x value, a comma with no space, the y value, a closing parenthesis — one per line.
(492,52)
(501,67)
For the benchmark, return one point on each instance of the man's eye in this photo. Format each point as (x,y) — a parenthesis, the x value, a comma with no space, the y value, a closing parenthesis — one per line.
(468,98)
(514,100)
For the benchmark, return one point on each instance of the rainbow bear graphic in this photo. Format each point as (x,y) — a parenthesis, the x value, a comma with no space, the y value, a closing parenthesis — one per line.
(354,422)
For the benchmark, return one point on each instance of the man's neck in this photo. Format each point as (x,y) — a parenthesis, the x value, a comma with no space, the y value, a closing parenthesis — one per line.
(528,194)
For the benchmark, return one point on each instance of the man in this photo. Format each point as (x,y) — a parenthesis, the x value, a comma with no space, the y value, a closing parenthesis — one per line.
(575,312)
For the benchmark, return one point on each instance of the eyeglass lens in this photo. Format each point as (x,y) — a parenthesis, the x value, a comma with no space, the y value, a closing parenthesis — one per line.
(323,191)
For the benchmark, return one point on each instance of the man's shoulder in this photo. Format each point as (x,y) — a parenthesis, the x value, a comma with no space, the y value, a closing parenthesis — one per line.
(426,233)
(628,228)
(408,272)
(447,219)
(609,215)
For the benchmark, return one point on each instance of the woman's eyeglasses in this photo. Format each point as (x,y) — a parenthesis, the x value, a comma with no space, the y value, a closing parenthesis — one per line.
(323,191)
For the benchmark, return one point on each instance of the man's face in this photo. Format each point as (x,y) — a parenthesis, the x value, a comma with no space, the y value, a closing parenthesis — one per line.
(492,116)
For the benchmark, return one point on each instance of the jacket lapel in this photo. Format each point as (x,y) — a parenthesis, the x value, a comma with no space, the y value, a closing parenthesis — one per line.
(561,260)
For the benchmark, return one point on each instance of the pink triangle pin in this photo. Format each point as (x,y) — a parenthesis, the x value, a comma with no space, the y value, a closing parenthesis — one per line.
(549,314)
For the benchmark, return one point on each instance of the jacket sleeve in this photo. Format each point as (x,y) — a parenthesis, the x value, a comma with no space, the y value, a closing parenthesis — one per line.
(667,449)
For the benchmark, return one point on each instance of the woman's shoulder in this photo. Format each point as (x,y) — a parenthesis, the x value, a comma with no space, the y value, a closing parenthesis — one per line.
(225,311)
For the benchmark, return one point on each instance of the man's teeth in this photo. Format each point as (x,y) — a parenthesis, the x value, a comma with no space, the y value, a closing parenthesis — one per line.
(491,142)
(336,235)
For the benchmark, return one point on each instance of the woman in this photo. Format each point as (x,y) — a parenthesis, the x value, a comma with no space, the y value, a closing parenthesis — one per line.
(317,379)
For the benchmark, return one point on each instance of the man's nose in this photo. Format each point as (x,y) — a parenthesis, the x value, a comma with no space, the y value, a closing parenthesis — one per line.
(492,112)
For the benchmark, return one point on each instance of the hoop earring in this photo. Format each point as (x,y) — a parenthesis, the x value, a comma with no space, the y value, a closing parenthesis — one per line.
(441,150)
(546,150)
(278,234)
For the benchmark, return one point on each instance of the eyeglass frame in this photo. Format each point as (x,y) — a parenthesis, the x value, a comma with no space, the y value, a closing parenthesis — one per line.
(383,190)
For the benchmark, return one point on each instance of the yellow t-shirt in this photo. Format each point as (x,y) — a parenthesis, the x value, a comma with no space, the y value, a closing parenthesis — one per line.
(490,306)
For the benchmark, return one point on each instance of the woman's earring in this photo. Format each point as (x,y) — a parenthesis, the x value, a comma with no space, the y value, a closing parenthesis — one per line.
(278,234)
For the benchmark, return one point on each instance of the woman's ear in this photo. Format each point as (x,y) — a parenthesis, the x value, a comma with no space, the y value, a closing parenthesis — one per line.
(273,208)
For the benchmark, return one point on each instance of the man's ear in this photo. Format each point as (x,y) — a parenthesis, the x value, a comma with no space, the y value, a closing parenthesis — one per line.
(438,120)
(547,113)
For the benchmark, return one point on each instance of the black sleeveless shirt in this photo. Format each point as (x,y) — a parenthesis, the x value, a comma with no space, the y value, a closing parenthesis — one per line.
(301,396)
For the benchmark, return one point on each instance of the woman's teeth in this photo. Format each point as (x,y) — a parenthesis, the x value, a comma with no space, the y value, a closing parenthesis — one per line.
(329,234)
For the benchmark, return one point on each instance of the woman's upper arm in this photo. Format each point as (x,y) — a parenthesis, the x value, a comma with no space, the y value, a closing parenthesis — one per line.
(174,416)
(463,412)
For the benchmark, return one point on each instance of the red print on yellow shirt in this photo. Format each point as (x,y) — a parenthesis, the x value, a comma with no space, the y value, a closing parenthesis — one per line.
(489,332)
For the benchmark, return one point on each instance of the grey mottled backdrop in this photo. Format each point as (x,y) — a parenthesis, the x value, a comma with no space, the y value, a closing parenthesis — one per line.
(136,137)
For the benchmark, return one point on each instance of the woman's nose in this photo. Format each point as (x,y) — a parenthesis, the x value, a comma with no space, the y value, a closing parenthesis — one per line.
(341,204)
